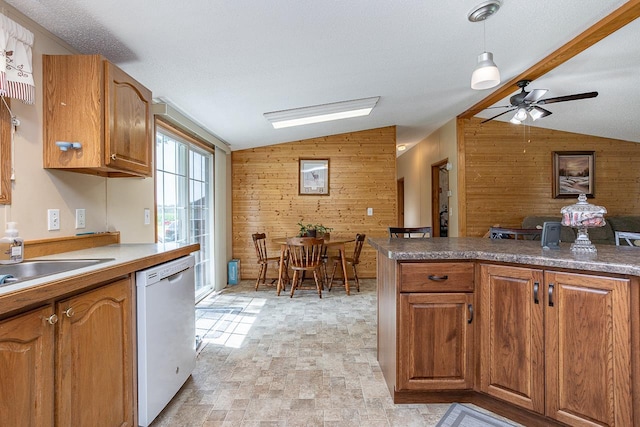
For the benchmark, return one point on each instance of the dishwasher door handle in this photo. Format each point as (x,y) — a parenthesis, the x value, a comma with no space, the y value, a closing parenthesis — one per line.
(175,277)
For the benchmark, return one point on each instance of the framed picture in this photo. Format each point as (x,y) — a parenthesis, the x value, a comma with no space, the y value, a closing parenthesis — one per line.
(313,177)
(573,174)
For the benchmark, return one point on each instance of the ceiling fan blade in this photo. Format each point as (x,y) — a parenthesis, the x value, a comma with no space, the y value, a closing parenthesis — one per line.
(497,115)
(499,106)
(535,95)
(568,98)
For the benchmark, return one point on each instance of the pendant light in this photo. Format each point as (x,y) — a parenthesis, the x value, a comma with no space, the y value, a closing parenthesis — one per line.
(486,74)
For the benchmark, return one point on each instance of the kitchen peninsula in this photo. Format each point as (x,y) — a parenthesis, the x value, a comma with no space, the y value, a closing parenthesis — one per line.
(544,337)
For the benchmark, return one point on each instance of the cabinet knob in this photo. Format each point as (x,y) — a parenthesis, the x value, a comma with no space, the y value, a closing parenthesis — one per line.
(69,312)
(53,319)
(113,157)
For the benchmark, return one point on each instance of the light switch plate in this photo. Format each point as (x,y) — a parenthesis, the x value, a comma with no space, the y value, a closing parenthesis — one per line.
(53,219)
(147,216)
(370,211)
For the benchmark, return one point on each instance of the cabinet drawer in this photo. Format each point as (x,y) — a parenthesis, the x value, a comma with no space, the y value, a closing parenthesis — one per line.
(436,277)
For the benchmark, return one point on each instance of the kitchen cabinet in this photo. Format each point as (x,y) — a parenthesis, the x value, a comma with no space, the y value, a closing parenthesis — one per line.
(91,381)
(435,332)
(94,369)
(557,343)
(89,100)
(26,368)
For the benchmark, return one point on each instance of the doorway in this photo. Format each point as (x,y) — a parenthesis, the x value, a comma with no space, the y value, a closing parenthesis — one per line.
(440,198)
(400,191)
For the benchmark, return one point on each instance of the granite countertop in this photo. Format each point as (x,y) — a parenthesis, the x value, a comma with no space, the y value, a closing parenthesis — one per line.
(608,259)
(125,258)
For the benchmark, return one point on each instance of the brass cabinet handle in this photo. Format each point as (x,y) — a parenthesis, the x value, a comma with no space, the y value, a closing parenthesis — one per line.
(438,278)
(69,312)
(53,319)
(536,286)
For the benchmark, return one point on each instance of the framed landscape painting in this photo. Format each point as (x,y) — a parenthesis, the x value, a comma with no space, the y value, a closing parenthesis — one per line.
(573,174)
(314,177)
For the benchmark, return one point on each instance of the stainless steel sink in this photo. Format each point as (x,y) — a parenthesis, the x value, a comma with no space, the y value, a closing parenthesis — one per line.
(32,269)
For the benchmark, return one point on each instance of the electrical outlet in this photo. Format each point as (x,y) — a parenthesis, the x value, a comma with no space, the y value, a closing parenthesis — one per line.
(147,216)
(81,219)
(370,211)
(53,219)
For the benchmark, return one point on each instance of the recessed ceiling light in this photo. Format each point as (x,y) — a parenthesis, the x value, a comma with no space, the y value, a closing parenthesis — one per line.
(321,113)
(402,147)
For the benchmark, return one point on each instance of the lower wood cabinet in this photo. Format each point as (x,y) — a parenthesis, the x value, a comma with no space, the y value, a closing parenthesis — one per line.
(557,343)
(434,341)
(435,326)
(80,350)
(26,368)
(94,363)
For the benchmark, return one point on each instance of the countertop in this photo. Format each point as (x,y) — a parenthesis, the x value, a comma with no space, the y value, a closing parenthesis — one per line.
(127,258)
(608,259)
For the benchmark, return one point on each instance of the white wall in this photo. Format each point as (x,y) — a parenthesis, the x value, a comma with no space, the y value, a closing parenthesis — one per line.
(415,167)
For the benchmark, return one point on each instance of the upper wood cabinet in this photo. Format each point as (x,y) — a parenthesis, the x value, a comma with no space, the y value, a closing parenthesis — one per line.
(91,101)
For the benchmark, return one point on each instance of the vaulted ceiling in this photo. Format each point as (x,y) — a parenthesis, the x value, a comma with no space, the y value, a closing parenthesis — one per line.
(225,63)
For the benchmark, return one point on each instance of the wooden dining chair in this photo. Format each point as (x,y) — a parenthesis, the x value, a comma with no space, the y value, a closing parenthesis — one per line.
(264,261)
(410,232)
(515,233)
(305,255)
(353,261)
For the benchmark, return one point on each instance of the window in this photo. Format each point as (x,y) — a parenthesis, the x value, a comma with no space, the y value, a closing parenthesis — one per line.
(184,198)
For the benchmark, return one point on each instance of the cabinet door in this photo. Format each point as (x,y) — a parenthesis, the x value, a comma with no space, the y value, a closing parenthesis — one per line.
(94,366)
(588,349)
(129,139)
(434,341)
(26,369)
(511,331)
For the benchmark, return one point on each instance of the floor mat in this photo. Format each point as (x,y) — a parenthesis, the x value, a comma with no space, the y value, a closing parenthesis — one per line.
(463,416)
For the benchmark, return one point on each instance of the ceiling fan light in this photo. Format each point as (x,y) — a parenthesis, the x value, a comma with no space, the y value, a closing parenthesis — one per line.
(486,74)
(538,113)
(521,114)
(515,121)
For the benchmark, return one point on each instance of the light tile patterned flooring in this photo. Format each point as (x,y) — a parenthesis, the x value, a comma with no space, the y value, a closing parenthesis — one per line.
(270,361)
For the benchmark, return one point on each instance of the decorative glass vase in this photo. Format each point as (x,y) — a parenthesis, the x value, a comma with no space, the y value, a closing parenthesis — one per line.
(582,216)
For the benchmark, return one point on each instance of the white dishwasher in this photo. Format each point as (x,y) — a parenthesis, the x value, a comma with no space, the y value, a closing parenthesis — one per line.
(166,334)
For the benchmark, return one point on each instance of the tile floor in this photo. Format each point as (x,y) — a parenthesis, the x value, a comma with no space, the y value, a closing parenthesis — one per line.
(272,361)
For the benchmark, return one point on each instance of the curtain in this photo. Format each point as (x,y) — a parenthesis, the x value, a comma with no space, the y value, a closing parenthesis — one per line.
(16,70)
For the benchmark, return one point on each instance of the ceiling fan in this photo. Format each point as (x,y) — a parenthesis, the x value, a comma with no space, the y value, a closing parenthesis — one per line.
(528,103)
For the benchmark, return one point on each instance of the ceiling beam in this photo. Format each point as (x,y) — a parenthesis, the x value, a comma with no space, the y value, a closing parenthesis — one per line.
(601,29)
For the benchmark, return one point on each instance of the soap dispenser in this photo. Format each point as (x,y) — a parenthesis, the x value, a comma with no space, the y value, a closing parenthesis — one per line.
(11,246)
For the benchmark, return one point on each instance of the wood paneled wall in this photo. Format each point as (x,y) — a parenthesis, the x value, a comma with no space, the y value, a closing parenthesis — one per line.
(508,173)
(362,174)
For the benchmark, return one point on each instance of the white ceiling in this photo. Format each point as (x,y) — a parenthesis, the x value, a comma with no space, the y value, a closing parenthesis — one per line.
(225,63)
(612,68)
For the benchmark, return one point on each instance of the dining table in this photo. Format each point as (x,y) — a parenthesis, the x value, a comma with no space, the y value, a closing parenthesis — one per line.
(337,242)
